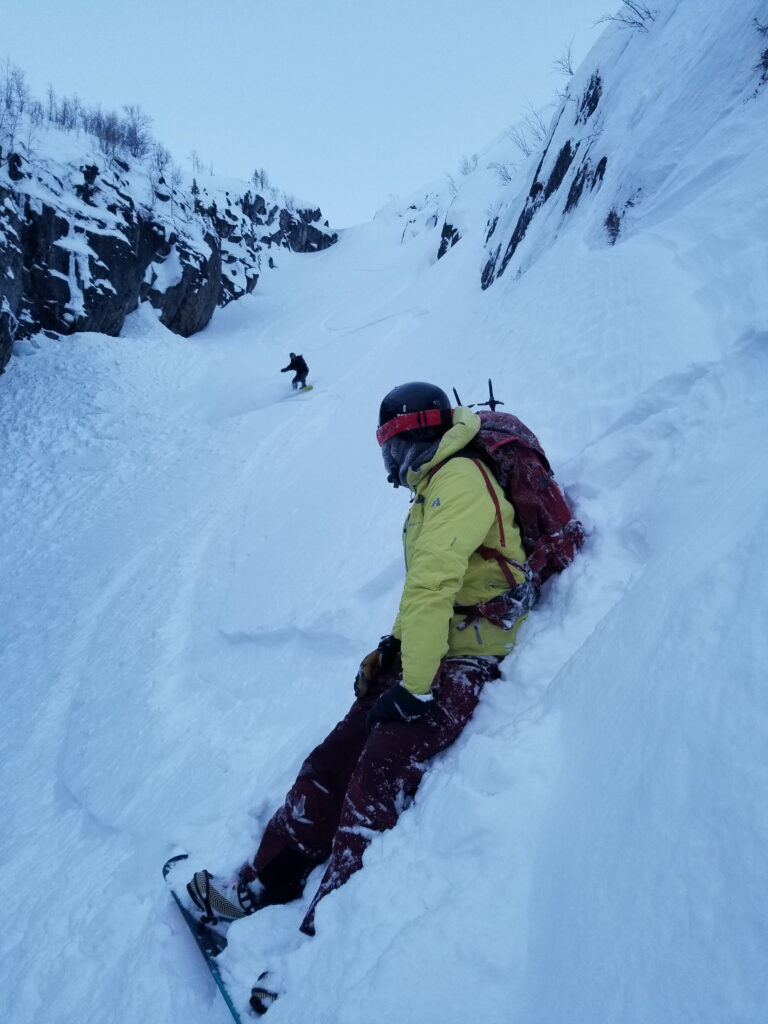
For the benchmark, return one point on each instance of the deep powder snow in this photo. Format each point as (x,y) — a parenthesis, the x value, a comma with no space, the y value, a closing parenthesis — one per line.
(194,561)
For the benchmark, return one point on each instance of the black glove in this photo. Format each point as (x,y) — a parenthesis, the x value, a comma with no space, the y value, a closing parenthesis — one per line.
(397,705)
(389,648)
(383,657)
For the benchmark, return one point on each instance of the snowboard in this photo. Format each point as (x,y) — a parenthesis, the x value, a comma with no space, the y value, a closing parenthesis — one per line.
(209,942)
(298,391)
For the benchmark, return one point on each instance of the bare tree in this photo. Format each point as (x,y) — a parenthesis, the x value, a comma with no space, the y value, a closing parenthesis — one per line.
(67,113)
(51,104)
(14,97)
(64,113)
(35,117)
(5,96)
(197,163)
(36,113)
(564,63)
(632,14)
(138,137)
(89,118)
(158,160)
(534,122)
(260,178)
(175,178)
(597,129)
(527,133)
(109,132)
(160,157)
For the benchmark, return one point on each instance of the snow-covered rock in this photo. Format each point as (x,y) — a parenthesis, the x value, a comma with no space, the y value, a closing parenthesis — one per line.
(84,238)
(625,138)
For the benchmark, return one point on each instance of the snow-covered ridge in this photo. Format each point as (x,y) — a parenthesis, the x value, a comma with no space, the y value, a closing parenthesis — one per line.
(85,237)
(621,142)
(624,146)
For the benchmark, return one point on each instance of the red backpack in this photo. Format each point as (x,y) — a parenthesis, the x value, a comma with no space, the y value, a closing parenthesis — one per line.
(551,535)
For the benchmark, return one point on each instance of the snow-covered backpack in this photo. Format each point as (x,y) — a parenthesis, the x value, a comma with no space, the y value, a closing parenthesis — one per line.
(550,534)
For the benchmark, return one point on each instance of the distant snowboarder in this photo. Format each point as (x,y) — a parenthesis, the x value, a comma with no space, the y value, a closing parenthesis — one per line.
(299,366)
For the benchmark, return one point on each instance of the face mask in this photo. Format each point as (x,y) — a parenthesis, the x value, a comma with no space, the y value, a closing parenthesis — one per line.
(401,453)
(389,463)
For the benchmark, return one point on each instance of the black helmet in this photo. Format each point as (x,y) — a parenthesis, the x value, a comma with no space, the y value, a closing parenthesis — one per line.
(421,408)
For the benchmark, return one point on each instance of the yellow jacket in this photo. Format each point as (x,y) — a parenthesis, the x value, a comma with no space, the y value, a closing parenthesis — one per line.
(451,516)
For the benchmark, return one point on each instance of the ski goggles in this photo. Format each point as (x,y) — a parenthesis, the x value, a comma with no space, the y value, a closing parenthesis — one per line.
(411,421)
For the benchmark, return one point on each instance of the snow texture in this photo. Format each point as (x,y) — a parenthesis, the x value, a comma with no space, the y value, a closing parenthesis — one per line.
(192,569)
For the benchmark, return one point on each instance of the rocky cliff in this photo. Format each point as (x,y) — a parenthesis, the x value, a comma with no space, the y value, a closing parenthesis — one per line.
(85,237)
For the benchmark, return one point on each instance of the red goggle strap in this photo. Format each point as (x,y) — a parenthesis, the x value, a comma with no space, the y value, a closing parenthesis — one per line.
(410,421)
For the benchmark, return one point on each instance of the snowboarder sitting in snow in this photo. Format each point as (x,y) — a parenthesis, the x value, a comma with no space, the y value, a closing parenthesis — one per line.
(415,693)
(299,365)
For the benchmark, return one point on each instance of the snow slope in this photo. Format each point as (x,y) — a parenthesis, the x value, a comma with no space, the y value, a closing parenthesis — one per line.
(195,559)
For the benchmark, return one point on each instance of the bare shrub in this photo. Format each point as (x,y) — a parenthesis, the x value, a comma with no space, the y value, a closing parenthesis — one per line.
(516,134)
(468,164)
(504,171)
(632,14)
(613,226)
(534,122)
(528,132)
(564,63)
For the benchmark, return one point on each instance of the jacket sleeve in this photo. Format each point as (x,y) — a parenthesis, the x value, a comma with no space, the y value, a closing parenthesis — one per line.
(458,513)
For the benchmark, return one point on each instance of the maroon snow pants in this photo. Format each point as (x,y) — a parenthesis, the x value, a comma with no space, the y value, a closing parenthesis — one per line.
(354,784)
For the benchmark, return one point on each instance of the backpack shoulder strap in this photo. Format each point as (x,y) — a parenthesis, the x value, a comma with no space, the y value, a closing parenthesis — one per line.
(490,554)
(483,470)
(494,498)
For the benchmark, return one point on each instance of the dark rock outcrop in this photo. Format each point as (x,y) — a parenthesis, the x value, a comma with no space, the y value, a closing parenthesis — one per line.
(300,231)
(187,304)
(82,245)
(557,167)
(448,238)
(10,273)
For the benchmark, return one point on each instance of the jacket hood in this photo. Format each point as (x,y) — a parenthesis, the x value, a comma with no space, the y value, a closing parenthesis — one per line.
(466,424)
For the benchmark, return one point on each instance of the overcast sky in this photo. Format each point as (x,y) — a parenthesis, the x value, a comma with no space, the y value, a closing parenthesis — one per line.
(345,103)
